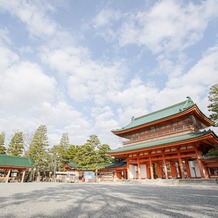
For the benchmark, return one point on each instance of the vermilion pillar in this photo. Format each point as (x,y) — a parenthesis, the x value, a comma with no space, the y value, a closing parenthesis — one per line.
(148,173)
(173,169)
(159,170)
(180,164)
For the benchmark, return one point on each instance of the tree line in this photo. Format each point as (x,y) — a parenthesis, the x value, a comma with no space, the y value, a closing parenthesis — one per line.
(91,155)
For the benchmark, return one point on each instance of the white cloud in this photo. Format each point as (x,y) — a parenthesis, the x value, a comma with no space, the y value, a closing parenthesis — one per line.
(64,59)
(32,15)
(168,25)
(195,83)
(85,78)
(7,59)
(139,98)
(104,118)
(4,38)
(135,100)
(204,73)
(26,49)
(105,17)
(24,85)
(61,118)
(104,122)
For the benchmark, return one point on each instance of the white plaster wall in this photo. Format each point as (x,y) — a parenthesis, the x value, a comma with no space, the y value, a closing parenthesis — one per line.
(132,171)
(143,171)
(197,170)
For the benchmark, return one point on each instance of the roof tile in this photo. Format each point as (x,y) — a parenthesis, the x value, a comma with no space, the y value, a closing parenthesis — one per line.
(9,160)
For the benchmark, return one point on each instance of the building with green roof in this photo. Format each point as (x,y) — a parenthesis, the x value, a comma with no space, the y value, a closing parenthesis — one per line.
(168,143)
(10,163)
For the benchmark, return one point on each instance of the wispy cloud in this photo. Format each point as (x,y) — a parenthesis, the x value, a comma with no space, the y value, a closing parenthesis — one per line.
(106,17)
(32,15)
(168,25)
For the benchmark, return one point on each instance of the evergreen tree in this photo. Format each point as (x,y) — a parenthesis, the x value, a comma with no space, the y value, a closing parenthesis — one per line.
(38,148)
(71,153)
(213,107)
(94,141)
(16,146)
(65,142)
(86,156)
(60,152)
(2,143)
(92,155)
(103,158)
(213,151)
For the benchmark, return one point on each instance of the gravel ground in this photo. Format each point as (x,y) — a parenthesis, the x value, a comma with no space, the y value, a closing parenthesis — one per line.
(107,200)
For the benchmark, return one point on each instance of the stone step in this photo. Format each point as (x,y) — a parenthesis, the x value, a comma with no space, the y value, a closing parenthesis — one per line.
(173,181)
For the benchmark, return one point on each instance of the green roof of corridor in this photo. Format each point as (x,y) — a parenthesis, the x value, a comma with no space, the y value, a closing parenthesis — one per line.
(160,114)
(8,160)
(73,164)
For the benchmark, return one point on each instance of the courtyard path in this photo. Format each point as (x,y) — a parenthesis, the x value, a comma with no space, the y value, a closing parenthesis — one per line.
(116,200)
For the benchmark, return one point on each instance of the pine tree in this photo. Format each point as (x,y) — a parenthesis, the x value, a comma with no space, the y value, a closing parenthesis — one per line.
(65,142)
(2,143)
(92,155)
(71,153)
(60,152)
(16,146)
(86,156)
(103,158)
(213,107)
(38,148)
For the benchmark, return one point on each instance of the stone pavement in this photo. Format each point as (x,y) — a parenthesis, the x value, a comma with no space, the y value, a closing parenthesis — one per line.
(107,200)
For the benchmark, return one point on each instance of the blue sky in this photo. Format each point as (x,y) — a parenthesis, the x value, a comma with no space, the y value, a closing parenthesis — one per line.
(86,67)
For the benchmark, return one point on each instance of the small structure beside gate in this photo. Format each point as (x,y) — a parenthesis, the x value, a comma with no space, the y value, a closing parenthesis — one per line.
(13,168)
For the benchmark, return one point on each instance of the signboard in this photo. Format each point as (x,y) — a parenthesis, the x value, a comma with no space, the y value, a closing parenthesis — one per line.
(89,175)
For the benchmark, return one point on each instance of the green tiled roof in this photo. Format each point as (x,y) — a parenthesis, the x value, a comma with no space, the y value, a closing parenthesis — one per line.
(116,164)
(169,140)
(8,160)
(160,114)
(73,164)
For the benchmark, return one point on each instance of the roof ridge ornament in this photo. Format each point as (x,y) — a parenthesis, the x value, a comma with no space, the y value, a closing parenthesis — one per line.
(188,101)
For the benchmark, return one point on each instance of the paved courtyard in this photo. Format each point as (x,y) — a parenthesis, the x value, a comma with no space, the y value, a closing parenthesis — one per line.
(107,200)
